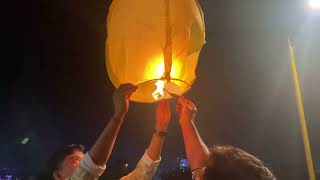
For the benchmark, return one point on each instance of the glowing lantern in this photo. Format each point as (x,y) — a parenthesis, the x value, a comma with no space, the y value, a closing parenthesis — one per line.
(154,44)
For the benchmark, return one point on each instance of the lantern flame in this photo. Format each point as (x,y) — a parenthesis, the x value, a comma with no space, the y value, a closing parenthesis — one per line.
(156,68)
(158,93)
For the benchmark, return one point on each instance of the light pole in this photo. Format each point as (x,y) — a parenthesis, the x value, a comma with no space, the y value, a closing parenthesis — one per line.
(314,5)
(302,118)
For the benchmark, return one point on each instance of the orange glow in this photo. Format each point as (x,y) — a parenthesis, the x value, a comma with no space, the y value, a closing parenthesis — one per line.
(158,93)
(155,69)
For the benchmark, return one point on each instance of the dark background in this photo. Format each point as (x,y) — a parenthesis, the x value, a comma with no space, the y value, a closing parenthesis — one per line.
(55,89)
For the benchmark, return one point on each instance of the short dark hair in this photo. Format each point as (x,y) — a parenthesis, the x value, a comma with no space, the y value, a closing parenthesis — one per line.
(56,159)
(231,163)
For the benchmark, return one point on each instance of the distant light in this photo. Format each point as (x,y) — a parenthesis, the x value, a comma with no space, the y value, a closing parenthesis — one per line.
(314,4)
(183,163)
(25,140)
(126,165)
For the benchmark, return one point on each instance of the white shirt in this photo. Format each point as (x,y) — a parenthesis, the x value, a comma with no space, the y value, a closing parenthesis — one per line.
(88,170)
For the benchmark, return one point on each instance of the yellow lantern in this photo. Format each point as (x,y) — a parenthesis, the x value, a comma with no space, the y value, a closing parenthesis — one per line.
(154,44)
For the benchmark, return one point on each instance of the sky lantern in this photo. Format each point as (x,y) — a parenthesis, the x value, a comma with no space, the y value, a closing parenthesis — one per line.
(154,44)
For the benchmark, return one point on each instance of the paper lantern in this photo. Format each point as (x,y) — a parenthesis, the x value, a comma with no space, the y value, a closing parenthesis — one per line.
(154,44)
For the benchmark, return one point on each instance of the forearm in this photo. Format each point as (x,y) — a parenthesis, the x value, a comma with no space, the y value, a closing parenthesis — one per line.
(197,151)
(149,162)
(101,150)
(155,147)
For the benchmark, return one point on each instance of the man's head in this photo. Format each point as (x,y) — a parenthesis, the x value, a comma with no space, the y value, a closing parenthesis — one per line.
(231,163)
(63,163)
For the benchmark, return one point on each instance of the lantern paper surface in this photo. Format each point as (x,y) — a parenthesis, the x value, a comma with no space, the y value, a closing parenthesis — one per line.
(152,40)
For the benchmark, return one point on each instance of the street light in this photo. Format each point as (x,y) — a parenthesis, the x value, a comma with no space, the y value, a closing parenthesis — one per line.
(315,6)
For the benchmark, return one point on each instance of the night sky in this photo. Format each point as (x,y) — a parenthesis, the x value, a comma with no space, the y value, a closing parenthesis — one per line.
(55,89)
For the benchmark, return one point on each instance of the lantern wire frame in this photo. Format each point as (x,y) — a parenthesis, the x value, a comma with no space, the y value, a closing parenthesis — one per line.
(173,87)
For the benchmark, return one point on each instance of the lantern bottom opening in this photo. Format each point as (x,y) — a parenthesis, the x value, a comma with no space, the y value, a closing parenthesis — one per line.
(146,89)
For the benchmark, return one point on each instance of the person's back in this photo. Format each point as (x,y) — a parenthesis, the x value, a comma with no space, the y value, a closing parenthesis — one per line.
(231,163)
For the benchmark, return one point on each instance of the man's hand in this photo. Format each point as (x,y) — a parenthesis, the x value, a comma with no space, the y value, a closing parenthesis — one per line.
(162,120)
(196,151)
(121,99)
(186,109)
(102,148)
(163,115)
